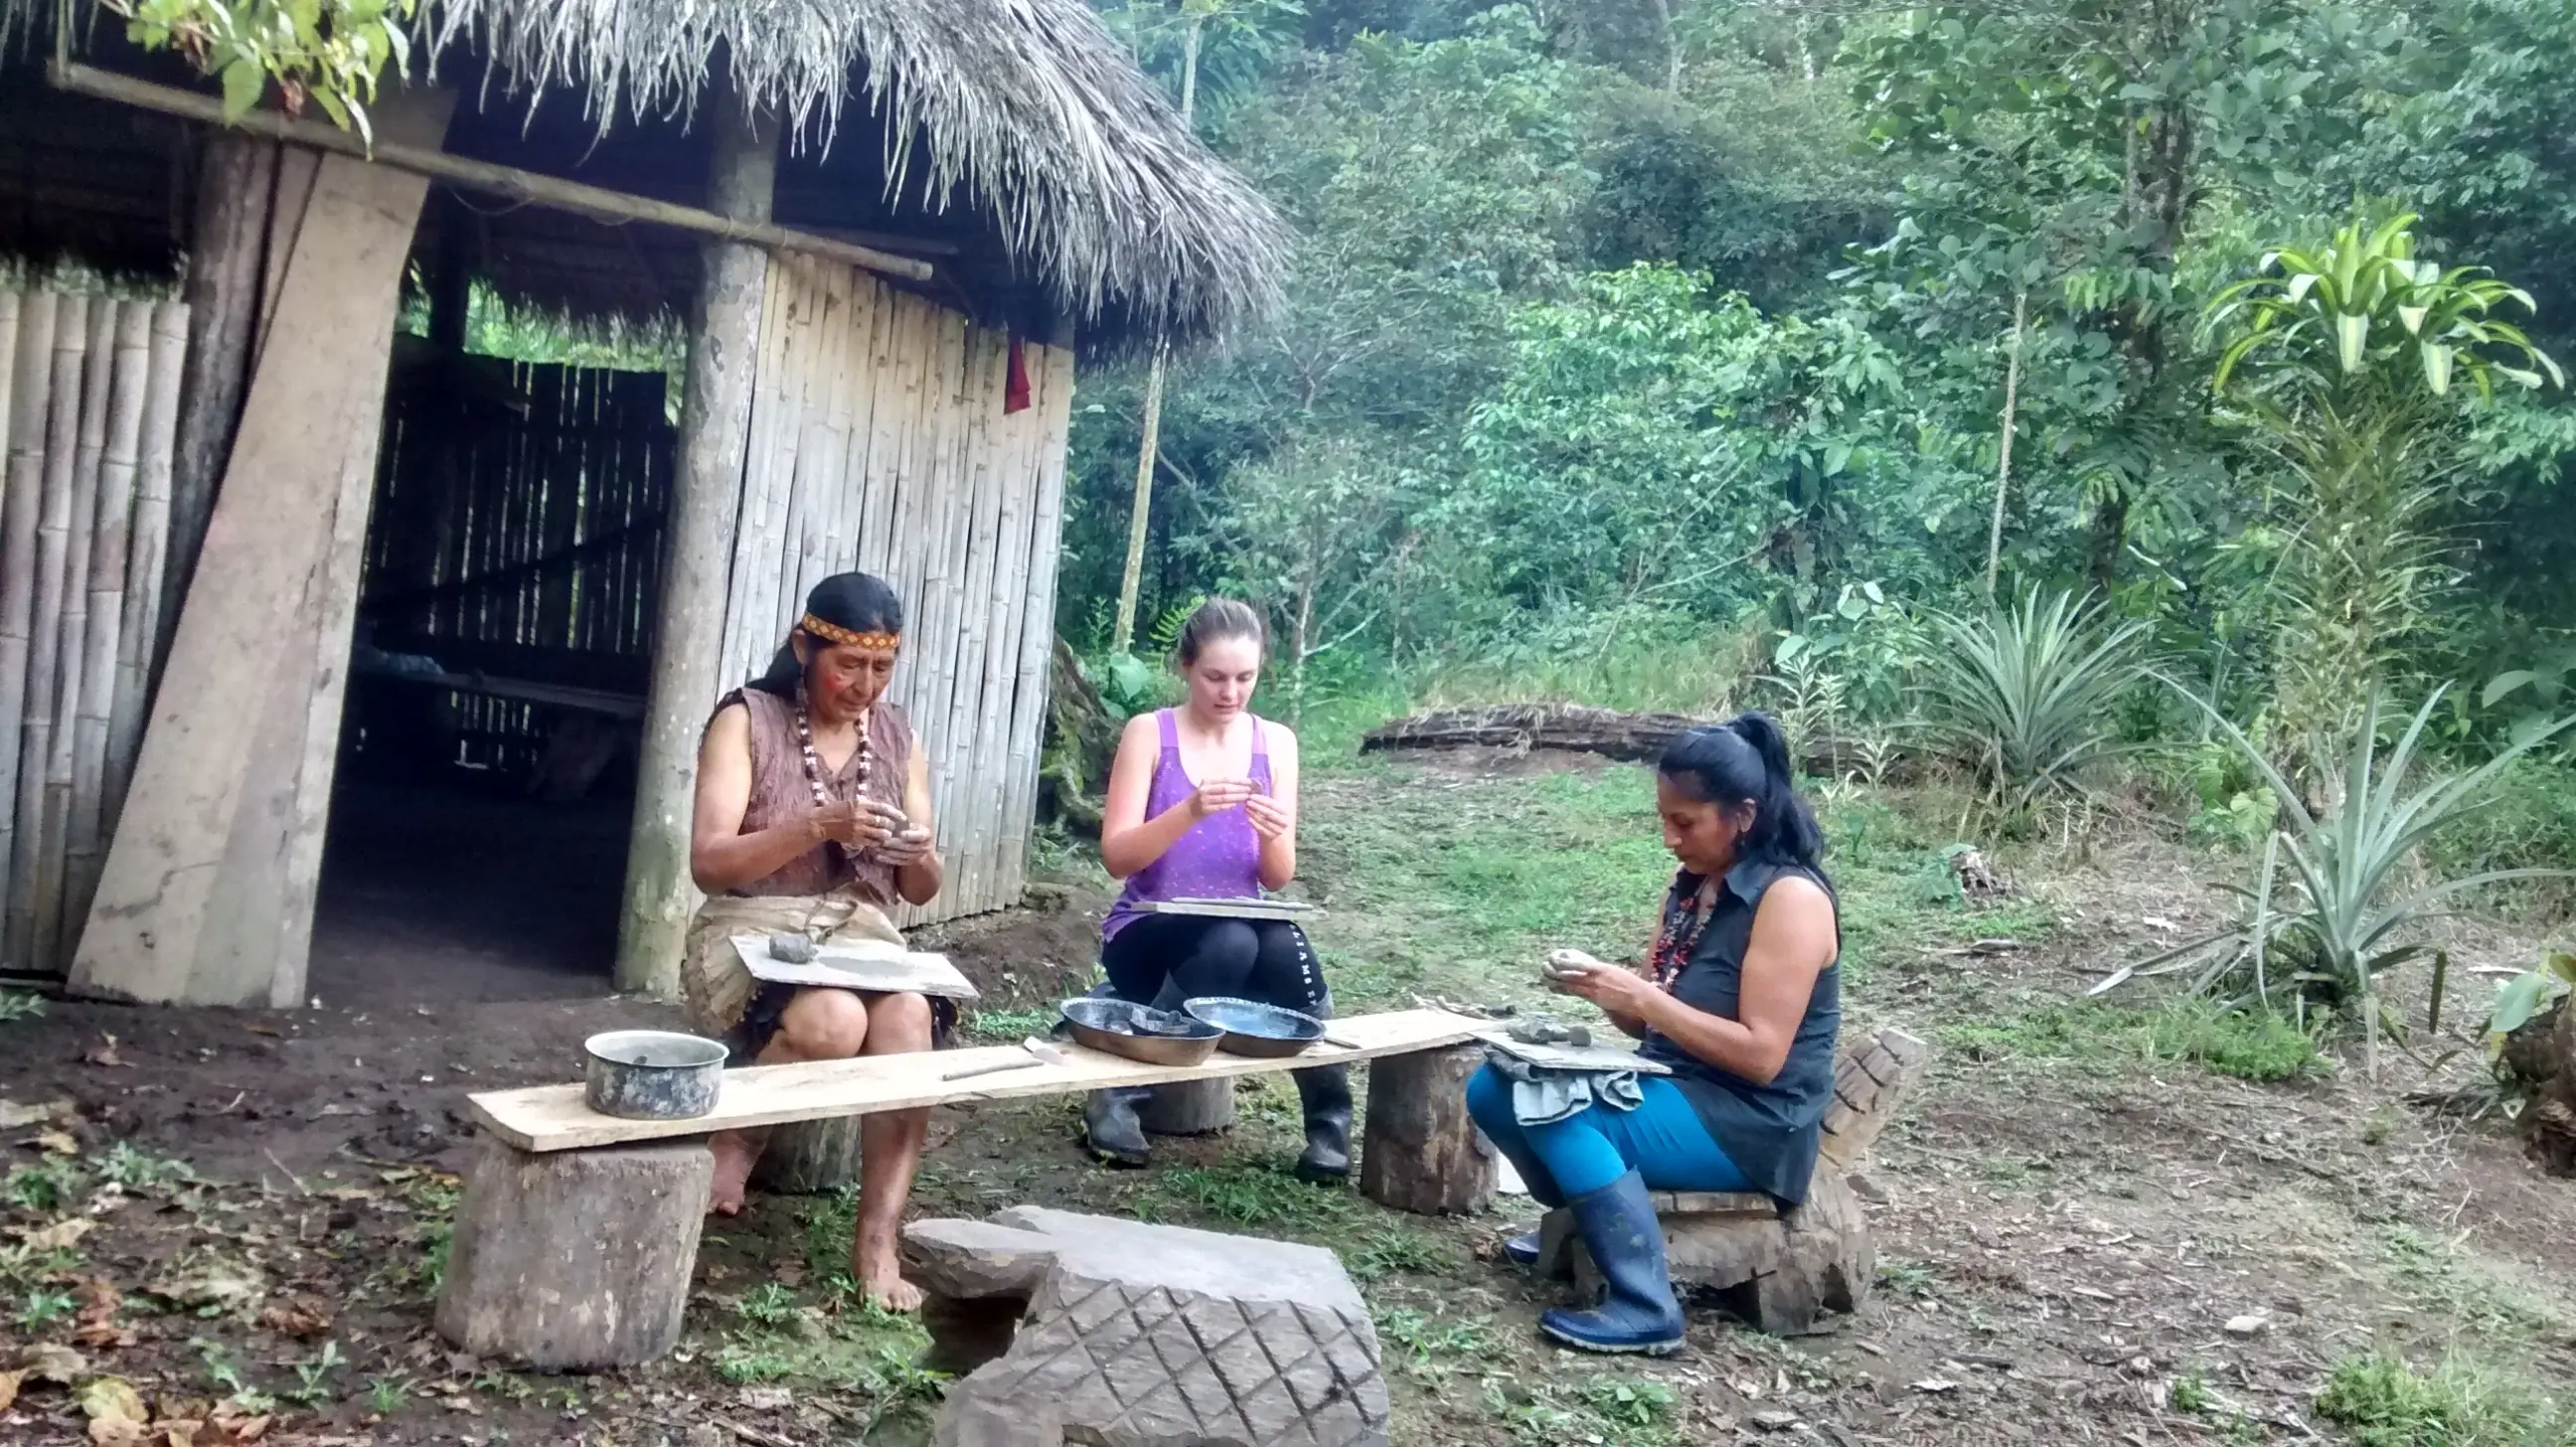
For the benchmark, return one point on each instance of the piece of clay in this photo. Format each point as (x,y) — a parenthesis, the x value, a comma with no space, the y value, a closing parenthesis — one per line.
(791,949)
(1579,1036)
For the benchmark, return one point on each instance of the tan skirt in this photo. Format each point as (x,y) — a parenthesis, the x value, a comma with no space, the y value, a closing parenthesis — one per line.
(719,987)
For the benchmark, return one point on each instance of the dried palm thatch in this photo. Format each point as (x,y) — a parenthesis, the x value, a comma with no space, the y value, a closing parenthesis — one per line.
(1026,108)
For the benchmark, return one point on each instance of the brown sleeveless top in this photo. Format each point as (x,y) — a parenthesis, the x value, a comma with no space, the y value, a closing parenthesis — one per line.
(779,792)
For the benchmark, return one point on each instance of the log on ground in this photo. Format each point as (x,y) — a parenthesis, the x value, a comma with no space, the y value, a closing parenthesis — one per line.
(1189,1107)
(1610,733)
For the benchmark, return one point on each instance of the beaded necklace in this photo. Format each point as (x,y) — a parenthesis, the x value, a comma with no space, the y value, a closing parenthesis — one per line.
(815,777)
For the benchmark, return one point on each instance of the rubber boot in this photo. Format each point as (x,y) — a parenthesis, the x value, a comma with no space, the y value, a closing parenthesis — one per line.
(1522,1250)
(1638,1311)
(1325,1092)
(1110,1128)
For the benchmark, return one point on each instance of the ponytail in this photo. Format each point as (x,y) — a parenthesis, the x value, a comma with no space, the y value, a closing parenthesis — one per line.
(1746,761)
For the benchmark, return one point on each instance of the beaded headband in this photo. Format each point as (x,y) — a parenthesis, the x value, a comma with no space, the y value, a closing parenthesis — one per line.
(847,638)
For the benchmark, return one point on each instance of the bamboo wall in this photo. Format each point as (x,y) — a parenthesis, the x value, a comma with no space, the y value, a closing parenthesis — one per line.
(879,442)
(520,510)
(89,403)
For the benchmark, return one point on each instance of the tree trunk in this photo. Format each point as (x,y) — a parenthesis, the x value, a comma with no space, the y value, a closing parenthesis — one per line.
(2003,460)
(1122,633)
(689,628)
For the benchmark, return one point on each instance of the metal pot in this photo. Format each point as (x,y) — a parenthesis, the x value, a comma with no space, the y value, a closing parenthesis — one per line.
(1253,1028)
(652,1074)
(1110,1025)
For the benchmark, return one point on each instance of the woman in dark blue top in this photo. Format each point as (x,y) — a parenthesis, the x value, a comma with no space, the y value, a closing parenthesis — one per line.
(1739,996)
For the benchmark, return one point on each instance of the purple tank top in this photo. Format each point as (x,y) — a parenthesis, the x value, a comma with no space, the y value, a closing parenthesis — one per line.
(1219,858)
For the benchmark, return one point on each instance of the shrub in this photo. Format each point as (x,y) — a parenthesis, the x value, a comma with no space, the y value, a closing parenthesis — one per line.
(2024,696)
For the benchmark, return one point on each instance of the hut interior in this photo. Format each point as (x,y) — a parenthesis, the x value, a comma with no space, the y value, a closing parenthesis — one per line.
(478,716)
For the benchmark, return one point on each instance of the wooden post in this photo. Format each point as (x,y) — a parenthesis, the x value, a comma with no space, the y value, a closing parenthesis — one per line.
(706,495)
(1189,1107)
(29,407)
(226,262)
(1420,1151)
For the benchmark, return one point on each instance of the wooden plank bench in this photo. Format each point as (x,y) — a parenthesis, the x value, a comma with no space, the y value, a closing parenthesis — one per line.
(578,1233)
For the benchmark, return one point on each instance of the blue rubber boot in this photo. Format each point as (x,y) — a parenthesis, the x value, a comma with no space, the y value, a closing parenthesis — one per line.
(1638,1311)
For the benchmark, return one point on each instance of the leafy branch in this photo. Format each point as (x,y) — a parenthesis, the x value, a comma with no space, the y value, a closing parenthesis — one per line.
(328,52)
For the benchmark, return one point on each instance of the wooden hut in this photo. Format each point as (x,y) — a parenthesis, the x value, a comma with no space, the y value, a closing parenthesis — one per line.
(884,231)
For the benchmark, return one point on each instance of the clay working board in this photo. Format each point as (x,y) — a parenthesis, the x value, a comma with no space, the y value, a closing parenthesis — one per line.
(889,969)
(1263,909)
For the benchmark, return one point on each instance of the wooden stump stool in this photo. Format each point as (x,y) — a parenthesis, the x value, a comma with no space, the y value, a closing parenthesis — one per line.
(810,1158)
(1421,1151)
(1779,1270)
(575,1260)
(1190,1107)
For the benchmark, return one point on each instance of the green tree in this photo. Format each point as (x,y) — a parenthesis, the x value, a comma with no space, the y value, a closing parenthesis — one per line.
(2351,355)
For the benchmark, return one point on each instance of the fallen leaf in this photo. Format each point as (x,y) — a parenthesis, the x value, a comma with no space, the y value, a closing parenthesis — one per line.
(9,1388)
(14,1115)
(1936,1385)
(213,1284)
(55,1363)
(236,1428)
(115,1411)
(271,1031)
(104,1052)
(304,1318)
(63,1235)
(103,1335)
(57,1143)
(181,1432)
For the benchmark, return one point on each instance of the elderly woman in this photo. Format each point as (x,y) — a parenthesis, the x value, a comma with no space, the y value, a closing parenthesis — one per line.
(813,815)
(1739,997)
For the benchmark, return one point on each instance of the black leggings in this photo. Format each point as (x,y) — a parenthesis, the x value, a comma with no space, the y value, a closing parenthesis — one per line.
(1264,960)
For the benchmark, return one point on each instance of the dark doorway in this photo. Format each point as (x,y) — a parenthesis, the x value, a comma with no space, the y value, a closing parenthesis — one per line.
(496,687)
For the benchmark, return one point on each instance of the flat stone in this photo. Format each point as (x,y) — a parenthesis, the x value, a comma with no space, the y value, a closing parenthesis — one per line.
(1135,1335)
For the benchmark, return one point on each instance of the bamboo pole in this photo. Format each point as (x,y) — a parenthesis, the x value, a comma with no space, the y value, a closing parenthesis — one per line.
(110,543)
(8,371)
(39,317)
(44,633)
(62,762)
(147,552)
(509,182)
(705,498)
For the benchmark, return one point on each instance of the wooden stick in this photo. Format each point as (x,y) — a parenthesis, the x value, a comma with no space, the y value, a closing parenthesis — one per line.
(44,635)
(109,543)
(147,552)
(62,761)
(528,187)
(39,314)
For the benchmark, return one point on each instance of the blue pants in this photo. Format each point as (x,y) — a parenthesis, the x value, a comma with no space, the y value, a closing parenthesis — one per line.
(1661,1140)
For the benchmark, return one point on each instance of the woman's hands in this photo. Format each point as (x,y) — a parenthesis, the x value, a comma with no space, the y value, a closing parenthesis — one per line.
(1215,796)
(1623,994)
(910,845)
(1270,818)
(854,824)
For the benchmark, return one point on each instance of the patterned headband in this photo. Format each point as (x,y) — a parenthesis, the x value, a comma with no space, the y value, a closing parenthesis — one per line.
(815,627)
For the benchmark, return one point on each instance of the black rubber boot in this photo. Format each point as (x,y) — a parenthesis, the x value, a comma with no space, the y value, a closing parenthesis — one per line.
(1638,1311)
(1110,1128)
(1325,1092)
(1522,1250)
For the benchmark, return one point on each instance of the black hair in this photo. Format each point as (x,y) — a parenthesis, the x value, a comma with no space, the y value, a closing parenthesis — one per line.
(1214,621)
(1741,761)
(860,602)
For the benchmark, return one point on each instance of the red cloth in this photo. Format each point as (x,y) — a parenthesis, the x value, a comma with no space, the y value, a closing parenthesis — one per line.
(1015,392)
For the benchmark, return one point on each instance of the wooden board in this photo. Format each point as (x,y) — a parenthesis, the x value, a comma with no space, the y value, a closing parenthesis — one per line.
(1567,1057)
(883,969)
(1287,909)
(553,1118)
(170,924)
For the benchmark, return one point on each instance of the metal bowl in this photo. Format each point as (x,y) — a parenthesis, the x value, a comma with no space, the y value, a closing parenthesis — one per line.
(1114,1026)
(1253,1028)
(652,1074)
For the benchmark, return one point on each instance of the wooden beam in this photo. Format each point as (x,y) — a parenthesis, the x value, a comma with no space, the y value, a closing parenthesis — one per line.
(706,500)
(553,1117)
(597,202)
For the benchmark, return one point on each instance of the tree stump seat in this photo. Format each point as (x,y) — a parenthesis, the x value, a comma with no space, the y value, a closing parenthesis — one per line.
(1780,1270)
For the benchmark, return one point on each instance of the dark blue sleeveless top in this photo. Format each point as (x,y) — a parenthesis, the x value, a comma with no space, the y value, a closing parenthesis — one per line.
(1769,1131)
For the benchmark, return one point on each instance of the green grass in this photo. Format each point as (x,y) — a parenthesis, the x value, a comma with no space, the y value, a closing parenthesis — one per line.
(20,1005)
(2249,1045)
(1008,1027)
(2383,1402)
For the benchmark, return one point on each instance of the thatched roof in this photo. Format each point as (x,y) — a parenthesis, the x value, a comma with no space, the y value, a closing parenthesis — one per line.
(1026,112)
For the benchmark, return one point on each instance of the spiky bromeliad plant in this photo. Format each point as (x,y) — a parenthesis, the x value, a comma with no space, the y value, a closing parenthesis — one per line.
(2024,694)
(2334,903)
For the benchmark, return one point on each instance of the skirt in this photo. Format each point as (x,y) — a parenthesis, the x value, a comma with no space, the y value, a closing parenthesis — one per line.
(726,1003)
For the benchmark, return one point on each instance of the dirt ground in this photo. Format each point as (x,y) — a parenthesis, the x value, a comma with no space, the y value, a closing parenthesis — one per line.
(2078,1242)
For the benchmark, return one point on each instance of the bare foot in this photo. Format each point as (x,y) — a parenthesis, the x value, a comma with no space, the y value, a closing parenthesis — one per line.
(735,1155)
(878,1264)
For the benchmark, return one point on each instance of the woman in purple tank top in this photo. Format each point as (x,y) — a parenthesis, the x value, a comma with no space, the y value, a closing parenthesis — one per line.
(1203,805)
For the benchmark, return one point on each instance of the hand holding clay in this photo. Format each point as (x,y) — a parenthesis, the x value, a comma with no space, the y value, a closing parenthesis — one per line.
(1215,796)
